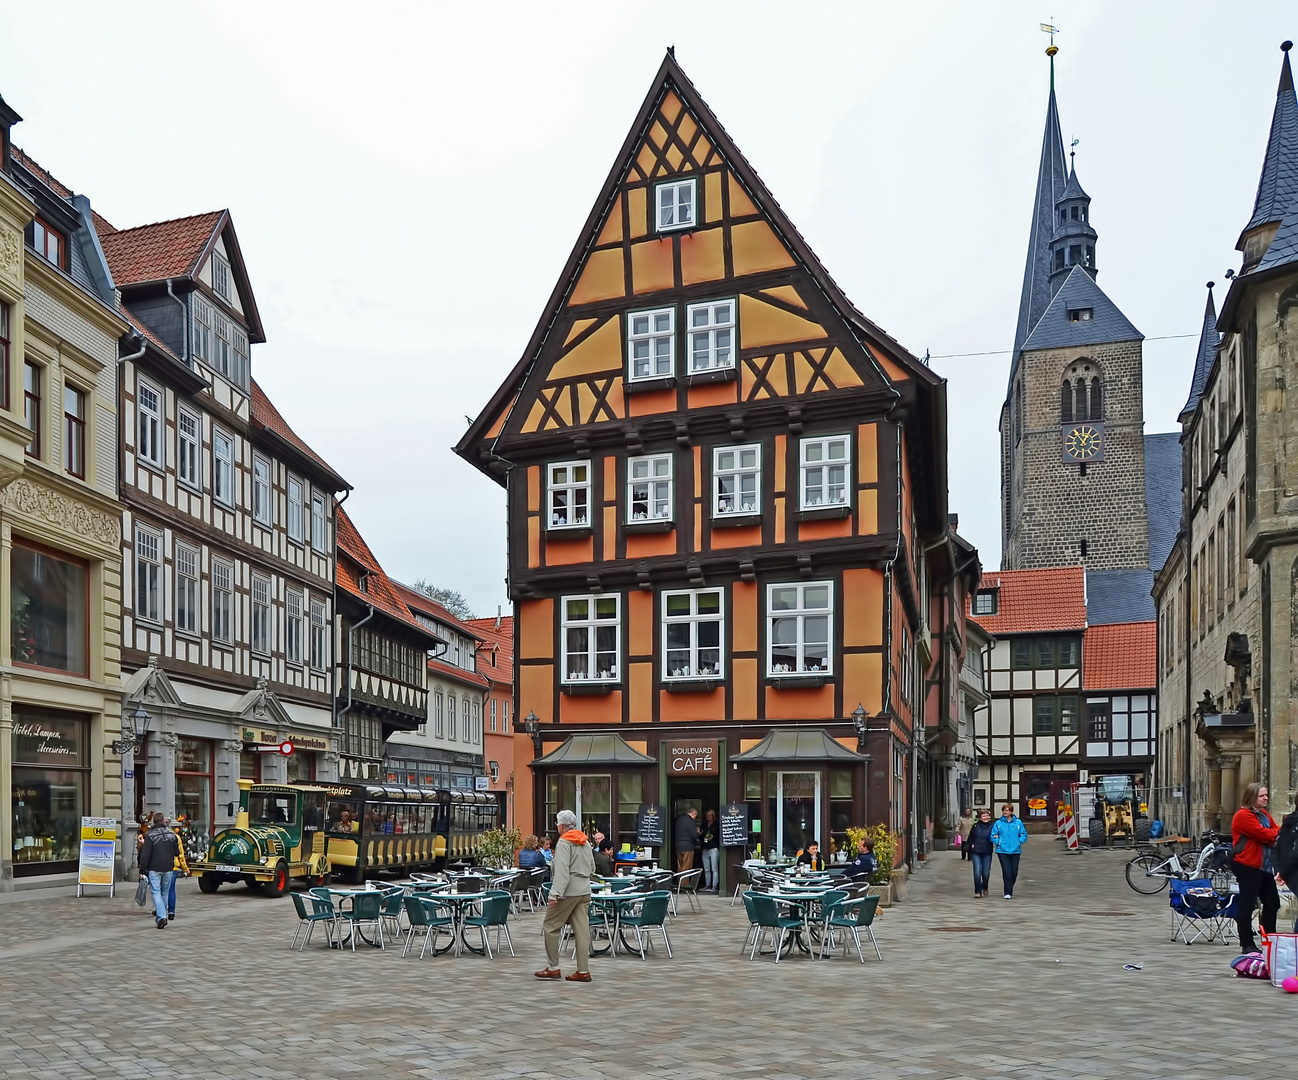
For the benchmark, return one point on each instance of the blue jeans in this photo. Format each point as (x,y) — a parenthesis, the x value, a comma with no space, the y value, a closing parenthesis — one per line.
(161,883)
(171,895)
(711,868)
(982,868)
(1009,870)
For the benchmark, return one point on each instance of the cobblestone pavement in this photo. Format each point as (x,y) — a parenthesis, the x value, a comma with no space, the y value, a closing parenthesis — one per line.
(93,989)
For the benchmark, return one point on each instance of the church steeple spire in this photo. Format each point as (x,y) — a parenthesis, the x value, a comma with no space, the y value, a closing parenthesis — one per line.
(1277,187)
(1209,338)
(1052,178)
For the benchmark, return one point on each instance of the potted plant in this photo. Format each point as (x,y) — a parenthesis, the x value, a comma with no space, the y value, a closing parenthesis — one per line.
(497,847)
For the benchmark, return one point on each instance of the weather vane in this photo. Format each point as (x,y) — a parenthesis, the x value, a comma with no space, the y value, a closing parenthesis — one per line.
(1051,29)
(1072,151)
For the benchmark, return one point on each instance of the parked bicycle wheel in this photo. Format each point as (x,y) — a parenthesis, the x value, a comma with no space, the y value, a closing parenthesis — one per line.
(1147,874)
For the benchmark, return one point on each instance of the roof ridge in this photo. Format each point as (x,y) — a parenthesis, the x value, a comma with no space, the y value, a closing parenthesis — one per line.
(170,221)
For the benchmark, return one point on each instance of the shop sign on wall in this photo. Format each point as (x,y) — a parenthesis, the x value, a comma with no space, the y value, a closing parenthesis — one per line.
(693,757)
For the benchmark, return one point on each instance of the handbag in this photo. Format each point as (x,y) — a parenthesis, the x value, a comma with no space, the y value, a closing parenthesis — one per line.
(1281,952)
(142,890)
(958,840)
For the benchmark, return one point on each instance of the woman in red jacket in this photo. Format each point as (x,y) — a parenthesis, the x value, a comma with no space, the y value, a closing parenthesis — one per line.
(1254,834)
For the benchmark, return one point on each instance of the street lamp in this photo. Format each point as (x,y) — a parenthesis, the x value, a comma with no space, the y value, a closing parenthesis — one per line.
(532,725)
(134,735)
(859,718)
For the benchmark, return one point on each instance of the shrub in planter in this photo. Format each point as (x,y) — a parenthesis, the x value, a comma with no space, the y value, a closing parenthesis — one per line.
(885,849)
(497,847)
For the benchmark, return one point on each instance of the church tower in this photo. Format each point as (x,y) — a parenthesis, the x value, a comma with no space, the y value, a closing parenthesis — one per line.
(1072,425)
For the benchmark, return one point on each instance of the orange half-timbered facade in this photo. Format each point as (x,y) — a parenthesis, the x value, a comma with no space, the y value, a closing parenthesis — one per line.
(722,479)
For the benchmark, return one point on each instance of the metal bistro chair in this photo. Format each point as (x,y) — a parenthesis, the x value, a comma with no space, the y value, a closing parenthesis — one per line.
(322,911)
(649,914)
(764,914)
(495,914)
(424,913)
(743,880)
(367,907)
(851,917)
(392,908)
(686,883)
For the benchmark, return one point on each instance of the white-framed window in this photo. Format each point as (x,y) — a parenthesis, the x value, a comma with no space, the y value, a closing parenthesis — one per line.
(222,601)
(203,336)
(569,493)
(189,447)
(493,714)
(222,467)
(693,630)
(477,721)
(712,334)
(825,466)
(504,716)
(148,408)
(148,574)
(649,488)
(293,627)
(439,717)
(737,480)
(261,493)
(319,636)
(651,343)
(261,636)
(319,522)
(676,205)
(452,727)
(592,638)
(221,277)
(799,623)
(187,560)
(295,508)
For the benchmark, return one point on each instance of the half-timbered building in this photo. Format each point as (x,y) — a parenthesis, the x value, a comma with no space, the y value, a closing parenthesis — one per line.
(722,479)
(227,539)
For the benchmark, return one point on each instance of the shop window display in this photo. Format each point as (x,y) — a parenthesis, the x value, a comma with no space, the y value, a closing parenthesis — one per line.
(48,610)
(50,790)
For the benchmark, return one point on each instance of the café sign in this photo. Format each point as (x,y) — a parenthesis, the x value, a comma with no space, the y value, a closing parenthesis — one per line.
(693,757)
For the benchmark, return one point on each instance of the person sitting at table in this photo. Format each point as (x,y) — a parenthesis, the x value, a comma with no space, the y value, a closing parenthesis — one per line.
(547,852)
(604,864)
(811,857)
(865,865)
(529,856)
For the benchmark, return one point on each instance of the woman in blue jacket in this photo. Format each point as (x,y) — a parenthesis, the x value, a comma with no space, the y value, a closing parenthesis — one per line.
(1008,838)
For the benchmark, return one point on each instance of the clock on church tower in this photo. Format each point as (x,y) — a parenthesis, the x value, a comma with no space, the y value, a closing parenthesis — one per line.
(1083,442)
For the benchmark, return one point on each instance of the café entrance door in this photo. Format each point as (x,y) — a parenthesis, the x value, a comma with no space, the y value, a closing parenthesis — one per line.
(700,795)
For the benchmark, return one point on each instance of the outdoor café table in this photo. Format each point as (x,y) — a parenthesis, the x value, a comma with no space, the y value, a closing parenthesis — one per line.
(344,895)
(460,904)
(800,901)
(617,902)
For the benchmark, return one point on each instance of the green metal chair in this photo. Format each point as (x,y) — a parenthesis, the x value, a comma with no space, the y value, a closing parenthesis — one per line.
(494,914)
(423,913)
(765,916)
(322,911)
(393,905)
(367,907)
(649,914)
(851,917)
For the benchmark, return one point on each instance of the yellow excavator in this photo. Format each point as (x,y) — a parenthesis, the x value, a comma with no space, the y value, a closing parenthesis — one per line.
(1118,813)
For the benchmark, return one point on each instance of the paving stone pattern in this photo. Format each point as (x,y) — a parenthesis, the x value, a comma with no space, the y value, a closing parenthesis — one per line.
(93,989)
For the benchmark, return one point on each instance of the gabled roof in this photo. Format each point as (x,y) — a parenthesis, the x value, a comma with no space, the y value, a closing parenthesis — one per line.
(1162,494)
(1119,596)
(1277,187)
(1034,601)
(162,250)
(379,591)
(498,641)
(1106,324)
(1122,656)
(266,417)
(420,602)
(1052,177)
(1205,357)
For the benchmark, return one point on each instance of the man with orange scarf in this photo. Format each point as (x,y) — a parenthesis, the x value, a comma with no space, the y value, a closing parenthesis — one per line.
(570,872)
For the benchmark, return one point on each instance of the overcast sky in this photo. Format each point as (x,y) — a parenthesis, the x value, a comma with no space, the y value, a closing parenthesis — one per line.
(407,181)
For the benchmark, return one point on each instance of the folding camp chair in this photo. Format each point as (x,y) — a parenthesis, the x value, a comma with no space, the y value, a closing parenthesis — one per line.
(1200,911)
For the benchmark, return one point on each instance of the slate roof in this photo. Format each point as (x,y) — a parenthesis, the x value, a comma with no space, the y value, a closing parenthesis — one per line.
(1052,178)
(1162,495)
(1277,187)
(267,417)
(1209,339)
(1119,596)
(379,591)
(1034,601)
(164,249)
(1054,331)
(1073,189)
(1283,249)
(1122,656)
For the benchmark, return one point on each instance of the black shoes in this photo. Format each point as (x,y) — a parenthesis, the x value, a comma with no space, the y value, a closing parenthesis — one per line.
(171,916)
(162,924)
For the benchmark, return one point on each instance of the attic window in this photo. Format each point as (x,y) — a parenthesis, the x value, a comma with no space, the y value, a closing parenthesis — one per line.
(1080,314)
(221,277)
(985,602)
(47,243)
(675,203)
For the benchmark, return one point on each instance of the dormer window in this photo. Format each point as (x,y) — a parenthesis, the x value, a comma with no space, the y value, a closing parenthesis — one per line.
(47,243)
(221,277)
(985,602)
(676,205)
(1080,314)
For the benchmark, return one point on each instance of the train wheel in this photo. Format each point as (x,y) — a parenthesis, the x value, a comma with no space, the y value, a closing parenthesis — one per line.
(208,884)
(278,885)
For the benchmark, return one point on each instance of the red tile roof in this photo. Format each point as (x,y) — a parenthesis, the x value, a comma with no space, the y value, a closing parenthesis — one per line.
(450,671)
(497,642)
(57,186)
(357,560)
(1120,656)
(418,601)
(165,249)
(267,417)
(1035,601)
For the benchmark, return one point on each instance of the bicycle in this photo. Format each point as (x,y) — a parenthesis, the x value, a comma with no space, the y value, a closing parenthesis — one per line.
(1148,873)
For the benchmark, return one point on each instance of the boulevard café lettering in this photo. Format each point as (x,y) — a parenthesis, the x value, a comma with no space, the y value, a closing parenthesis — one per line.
(698,757)
(47,742)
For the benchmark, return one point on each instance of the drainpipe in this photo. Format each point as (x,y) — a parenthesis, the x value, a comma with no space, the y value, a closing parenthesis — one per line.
(1188,771)
(184,324)
(135,336)
(333,609)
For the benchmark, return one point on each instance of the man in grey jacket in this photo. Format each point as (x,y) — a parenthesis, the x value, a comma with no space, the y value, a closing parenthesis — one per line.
(570,872)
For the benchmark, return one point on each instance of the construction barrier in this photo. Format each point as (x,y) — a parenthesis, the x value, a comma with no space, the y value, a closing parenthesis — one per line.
(1061,808)
(1070,828)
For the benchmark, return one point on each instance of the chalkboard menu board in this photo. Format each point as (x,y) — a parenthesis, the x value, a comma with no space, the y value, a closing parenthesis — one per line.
(734,825)
(649,825)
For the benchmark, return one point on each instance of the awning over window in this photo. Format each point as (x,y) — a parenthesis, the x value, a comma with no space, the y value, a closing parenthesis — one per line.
(798,744)
(594,750)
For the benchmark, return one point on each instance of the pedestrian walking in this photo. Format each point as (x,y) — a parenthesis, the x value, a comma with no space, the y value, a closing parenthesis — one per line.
(979,846)
(159,856)
(962,828)
(711,852)
(182,868)
(1254,833)
(1008,837)
(684,833)
(570,872)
